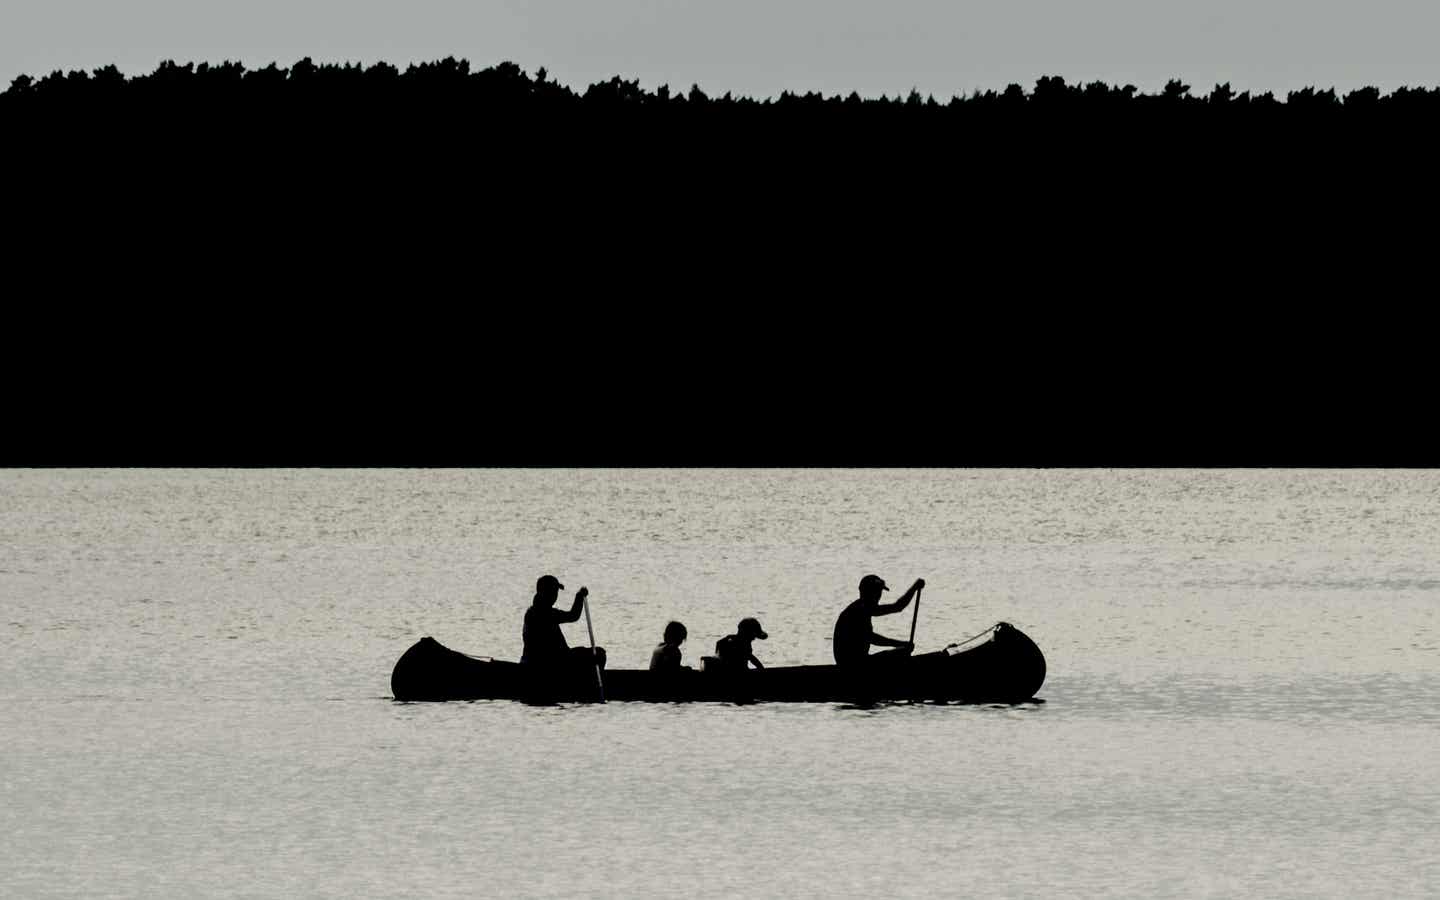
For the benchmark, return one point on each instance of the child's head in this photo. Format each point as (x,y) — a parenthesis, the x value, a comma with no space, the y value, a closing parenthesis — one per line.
(675,633)
(750,628)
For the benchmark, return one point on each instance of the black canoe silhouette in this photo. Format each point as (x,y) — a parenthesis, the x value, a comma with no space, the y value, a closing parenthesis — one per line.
(1001,665)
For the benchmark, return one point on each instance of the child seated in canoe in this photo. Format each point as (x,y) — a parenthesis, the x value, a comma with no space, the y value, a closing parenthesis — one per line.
(666,657)
(735,650)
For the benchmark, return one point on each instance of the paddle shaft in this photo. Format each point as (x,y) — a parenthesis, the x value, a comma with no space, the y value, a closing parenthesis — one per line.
(914,618)
(598,680)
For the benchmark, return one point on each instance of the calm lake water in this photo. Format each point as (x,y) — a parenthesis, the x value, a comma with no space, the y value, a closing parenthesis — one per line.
(1243,698)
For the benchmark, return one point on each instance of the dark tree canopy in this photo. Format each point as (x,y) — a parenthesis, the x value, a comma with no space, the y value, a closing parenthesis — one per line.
(1060,268)
(1066,188)
(506,86)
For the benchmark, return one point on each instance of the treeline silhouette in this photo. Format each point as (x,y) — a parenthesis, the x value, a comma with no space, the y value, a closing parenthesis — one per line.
(448,108)
(1060,184)
(453,87)
(1054,268)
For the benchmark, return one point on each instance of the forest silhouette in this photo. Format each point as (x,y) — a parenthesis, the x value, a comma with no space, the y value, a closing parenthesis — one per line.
(450,88)
(376,174)
(202,221)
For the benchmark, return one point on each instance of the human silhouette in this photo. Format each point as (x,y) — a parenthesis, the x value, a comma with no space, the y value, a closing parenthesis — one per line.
(544,642)
(735,650)
(666,656)
(855,633)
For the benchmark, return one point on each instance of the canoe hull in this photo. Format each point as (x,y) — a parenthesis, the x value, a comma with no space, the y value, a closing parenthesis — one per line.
(1001,666)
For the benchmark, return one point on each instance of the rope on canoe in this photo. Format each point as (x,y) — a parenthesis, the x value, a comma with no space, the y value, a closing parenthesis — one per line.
(974,636)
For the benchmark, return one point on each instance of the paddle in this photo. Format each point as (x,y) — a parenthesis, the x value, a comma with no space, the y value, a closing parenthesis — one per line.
(598,680)
(914,618)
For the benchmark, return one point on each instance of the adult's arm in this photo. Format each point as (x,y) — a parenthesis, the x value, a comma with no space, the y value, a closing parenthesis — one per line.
(880,640)
(885,609)
(575,608)
(758,663)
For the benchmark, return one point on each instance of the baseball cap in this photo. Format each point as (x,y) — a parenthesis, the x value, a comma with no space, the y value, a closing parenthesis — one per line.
(873,581)
(753,626)
(550,581)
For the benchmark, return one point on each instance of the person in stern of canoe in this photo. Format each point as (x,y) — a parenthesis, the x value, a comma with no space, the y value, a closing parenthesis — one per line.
(855,633)
(666,657)
(544,643)
(735,650)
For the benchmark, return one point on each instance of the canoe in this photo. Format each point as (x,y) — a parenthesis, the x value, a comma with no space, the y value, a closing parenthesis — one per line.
(1000,665)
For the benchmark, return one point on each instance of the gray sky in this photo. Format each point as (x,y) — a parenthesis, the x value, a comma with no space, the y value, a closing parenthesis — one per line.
(761,47)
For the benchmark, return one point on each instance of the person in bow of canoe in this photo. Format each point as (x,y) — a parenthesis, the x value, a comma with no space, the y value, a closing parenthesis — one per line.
(735,650)
(544,643)
(855,633)
(666,657)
